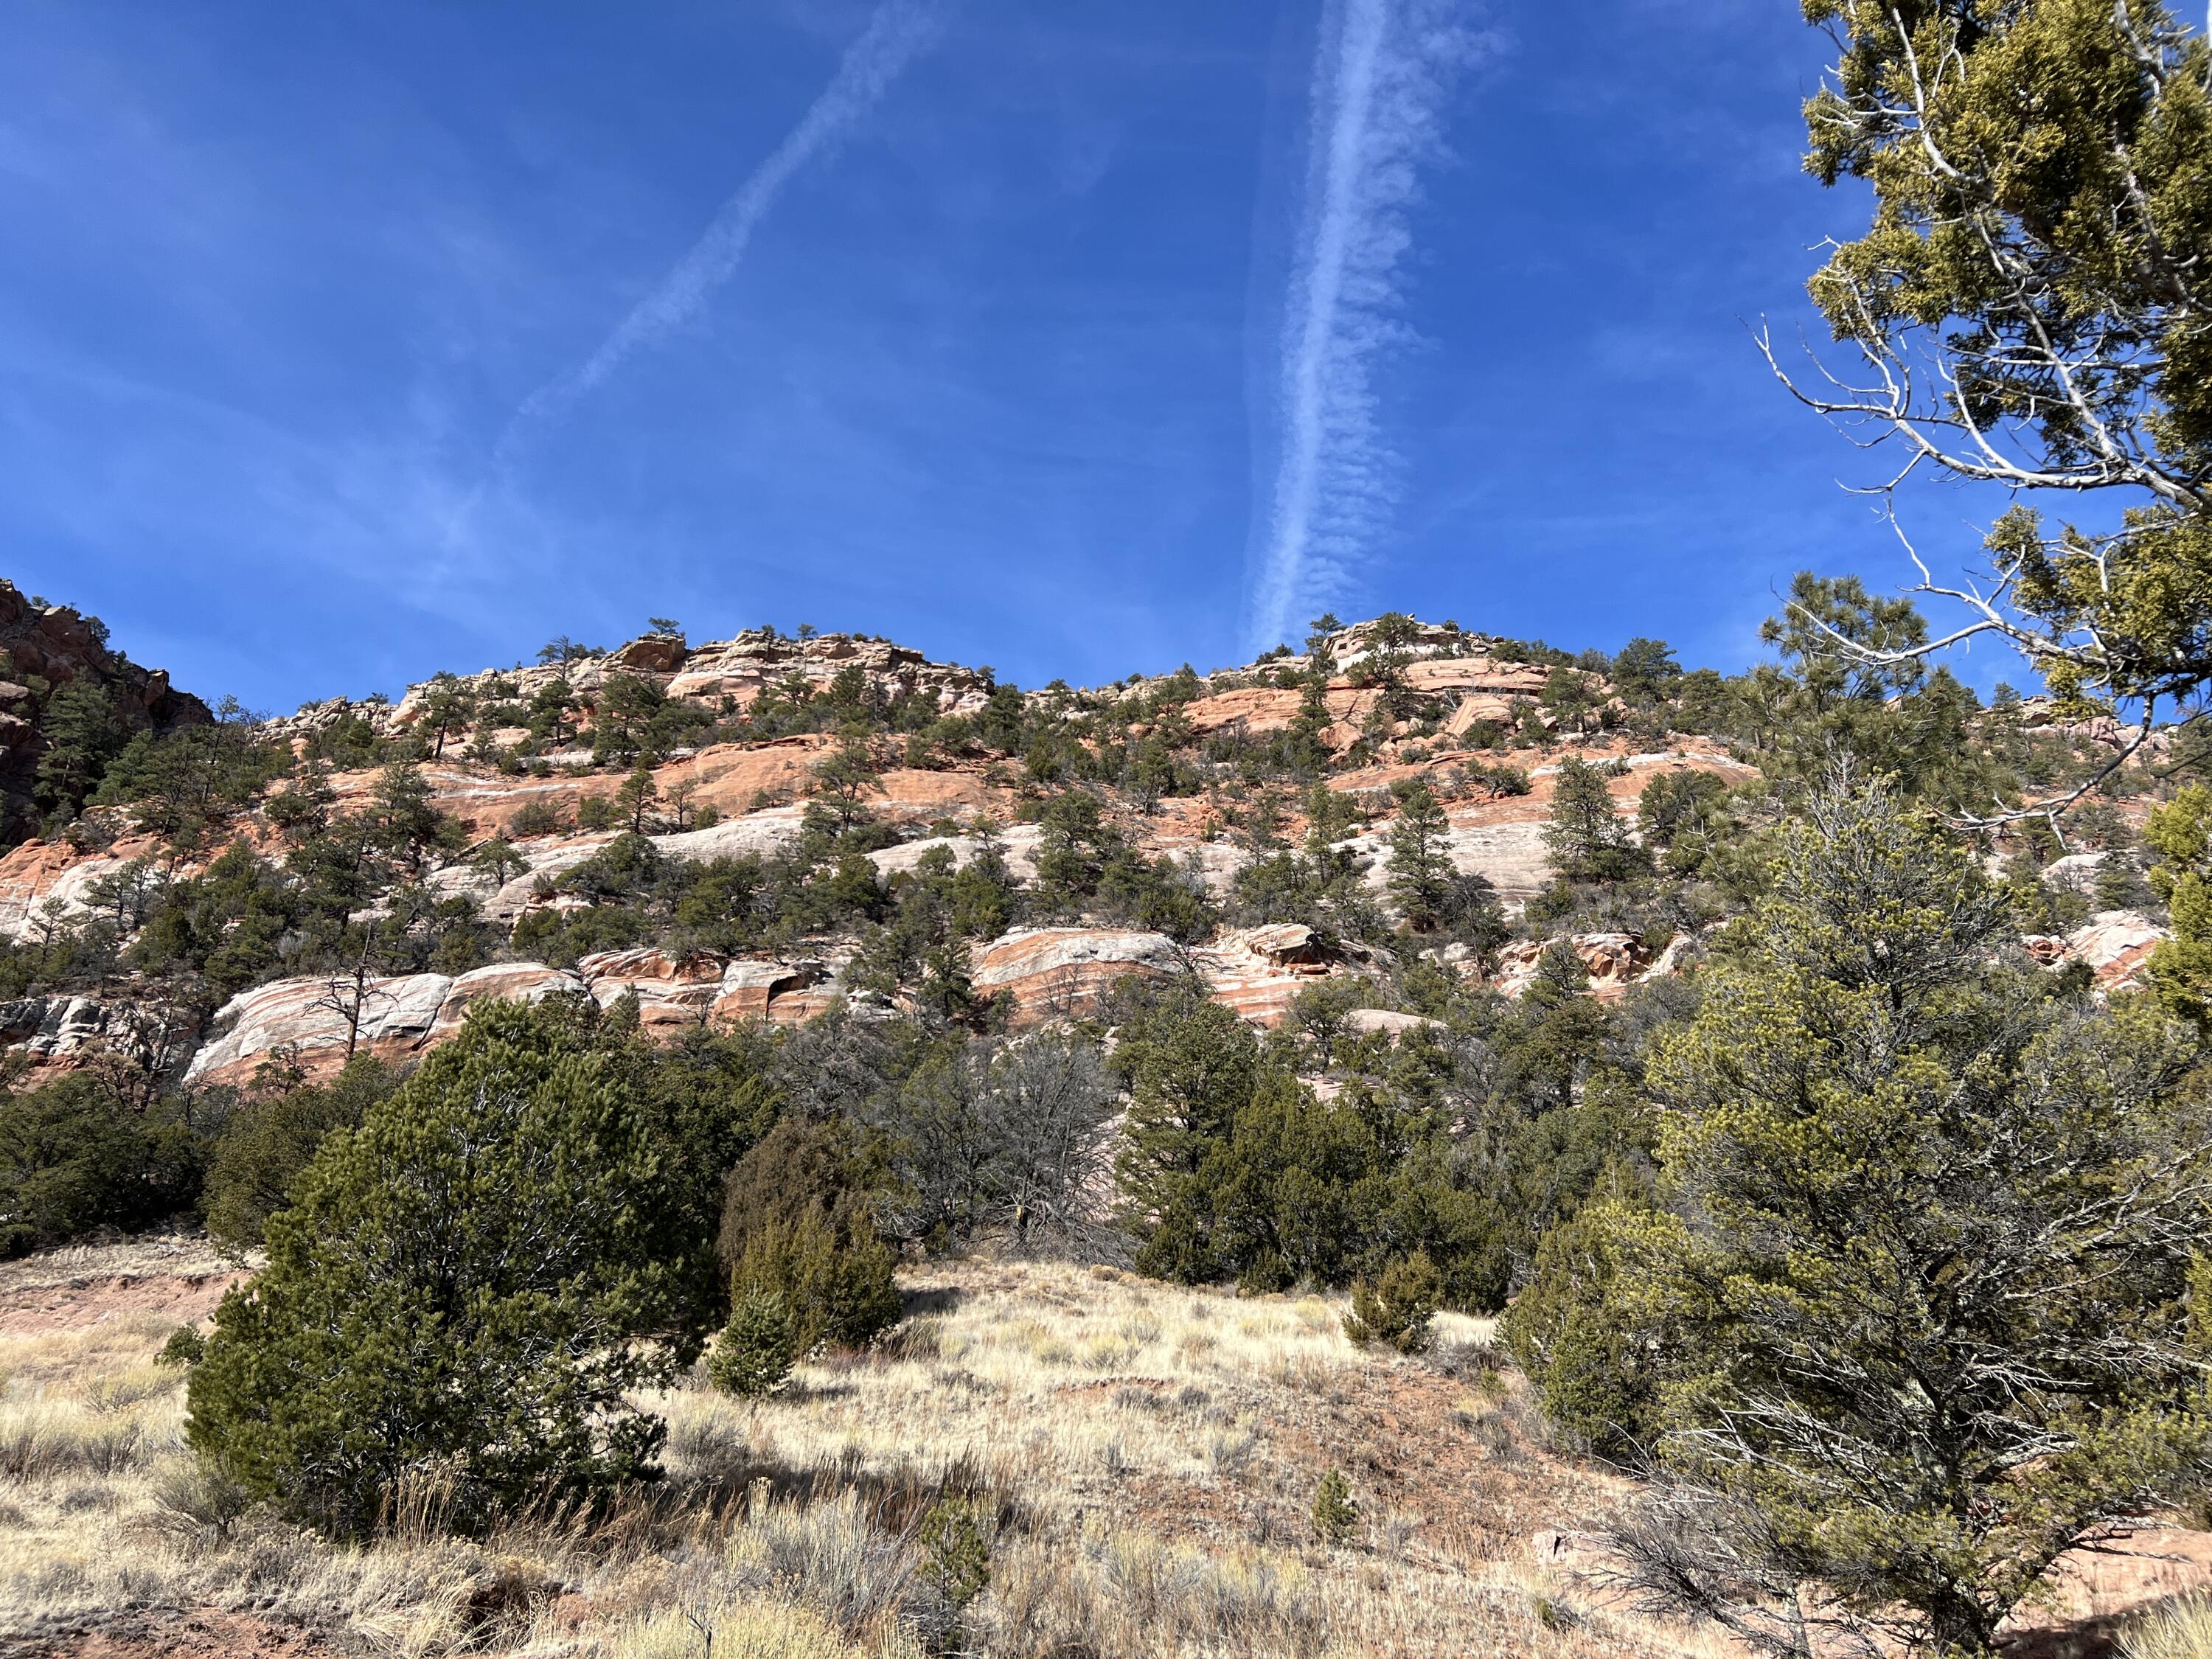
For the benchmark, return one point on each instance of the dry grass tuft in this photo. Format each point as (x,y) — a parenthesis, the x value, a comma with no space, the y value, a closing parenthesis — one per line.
(1139,1460)
(2181,1630)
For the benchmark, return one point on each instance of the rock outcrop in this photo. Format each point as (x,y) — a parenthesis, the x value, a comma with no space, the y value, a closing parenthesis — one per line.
(317,1020)
(2115,944)
(307,1018)
(730,673)
(61,1032)
(44,648)
(1611,962)
(1258,972)
(1063,973)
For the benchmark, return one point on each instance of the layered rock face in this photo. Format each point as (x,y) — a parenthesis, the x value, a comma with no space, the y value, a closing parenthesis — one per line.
(969,801)
(43,648)
(316,1022)
(726,674)
(61,1033)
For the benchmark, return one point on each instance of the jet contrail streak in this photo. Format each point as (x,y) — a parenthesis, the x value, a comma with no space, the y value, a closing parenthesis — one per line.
(899,30)
(1382,73)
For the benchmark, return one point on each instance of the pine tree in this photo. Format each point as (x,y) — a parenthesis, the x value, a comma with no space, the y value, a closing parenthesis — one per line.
(79,735)
(636,796)
(2024,311)
(476,1280)
(1421,869)
(1922,1318)
(2180,832)
(1587,839)
(846,777)
(1190,1065)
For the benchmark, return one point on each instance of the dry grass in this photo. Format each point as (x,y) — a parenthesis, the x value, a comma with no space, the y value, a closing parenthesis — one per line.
(1144,1460)
(2182,1630)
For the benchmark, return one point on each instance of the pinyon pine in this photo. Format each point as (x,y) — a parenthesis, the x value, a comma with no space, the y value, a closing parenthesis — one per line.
(1918,1313)
(470,1287)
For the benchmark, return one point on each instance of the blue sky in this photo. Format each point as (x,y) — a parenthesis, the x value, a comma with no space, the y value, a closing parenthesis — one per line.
(342,342)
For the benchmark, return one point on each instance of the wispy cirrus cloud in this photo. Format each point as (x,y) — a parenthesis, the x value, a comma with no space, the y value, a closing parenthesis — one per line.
(898,32)
(1383,72)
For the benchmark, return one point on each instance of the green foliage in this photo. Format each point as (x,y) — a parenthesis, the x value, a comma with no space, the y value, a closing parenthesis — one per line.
(2180,832)
(753,1354)
(1421,870)
(185,1347)
(1189,1066)
(1335,1517)
(270,1140)
(183,784)
(634,719)
(2037,177)
(1681,815)
(636,798)
(796,1228)
(534,818)
(1398,1308)
(1586,1333)
(845,777)
(474,1281)
(1585,835)
(1231,1168)
(922,949)
(955,1556)
(79,1153)
(1645,671)
(79,734)
(1920,1319)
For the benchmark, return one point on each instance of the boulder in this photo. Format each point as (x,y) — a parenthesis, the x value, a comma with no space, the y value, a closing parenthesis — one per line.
(1612,963)
(2117,945)
(397,1016)
(1257,972)
(752,989)
(1476,708)
(42,881)
(1053,972)
(654,653)
(503,982)
(670,990)
(1283,944)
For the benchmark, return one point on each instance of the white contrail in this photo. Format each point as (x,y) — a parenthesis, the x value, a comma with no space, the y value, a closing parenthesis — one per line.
(899,30)
(1382,73)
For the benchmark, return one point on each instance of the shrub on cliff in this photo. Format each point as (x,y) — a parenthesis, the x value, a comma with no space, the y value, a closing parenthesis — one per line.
(473,1283)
